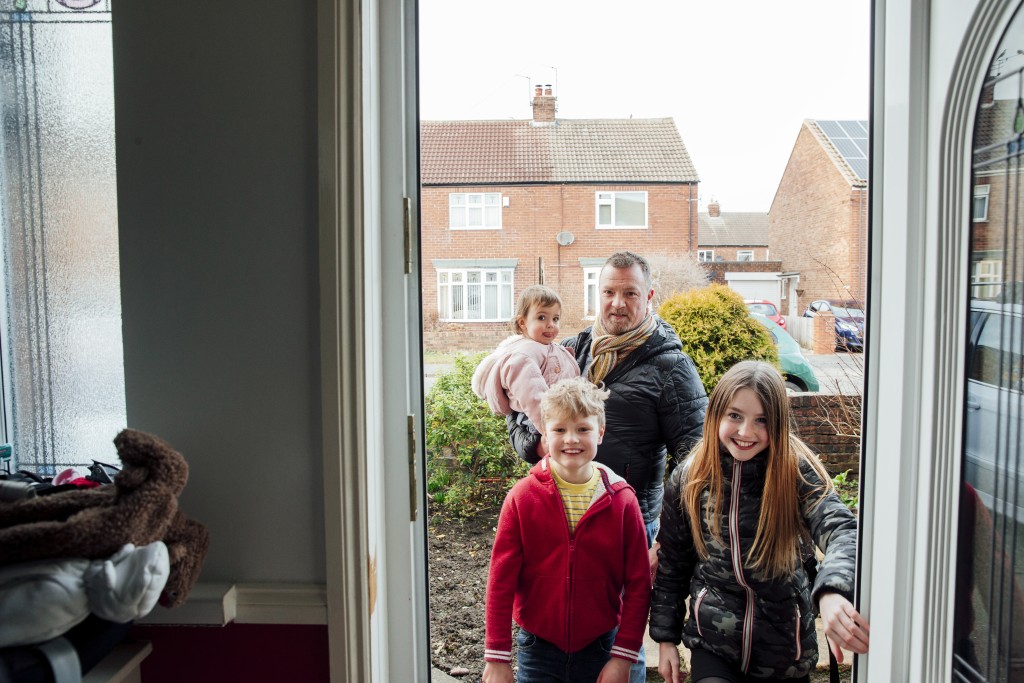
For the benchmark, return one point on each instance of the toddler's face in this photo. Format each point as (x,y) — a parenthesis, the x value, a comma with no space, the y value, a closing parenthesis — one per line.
(541,323)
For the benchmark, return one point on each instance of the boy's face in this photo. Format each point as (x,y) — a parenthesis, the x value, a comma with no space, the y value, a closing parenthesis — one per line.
(572,441)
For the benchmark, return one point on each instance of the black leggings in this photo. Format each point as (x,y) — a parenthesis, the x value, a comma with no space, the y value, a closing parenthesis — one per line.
(706,667)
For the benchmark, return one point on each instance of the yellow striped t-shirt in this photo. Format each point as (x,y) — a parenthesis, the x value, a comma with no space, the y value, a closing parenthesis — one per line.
(576,498)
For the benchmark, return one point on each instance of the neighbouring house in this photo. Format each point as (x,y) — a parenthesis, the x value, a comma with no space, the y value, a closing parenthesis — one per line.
(733,248)
(818,221)
(995,196)
(508,204)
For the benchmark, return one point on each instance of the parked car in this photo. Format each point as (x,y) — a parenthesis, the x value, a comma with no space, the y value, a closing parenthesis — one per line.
(767,309)
(849,321)
(796,370)
(993,460)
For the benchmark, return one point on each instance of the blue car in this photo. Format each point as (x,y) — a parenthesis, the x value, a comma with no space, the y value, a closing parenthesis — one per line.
(849,321)
(798,373)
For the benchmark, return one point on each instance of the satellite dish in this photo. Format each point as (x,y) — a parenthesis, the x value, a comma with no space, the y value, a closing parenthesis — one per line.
(565,238)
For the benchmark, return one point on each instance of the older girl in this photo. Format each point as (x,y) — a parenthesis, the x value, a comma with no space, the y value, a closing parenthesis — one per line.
(739,517)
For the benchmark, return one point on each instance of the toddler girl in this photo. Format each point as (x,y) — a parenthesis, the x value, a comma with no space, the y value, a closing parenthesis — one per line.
(513,376)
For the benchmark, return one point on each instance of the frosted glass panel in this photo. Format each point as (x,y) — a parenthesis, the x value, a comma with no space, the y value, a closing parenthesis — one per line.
(61,331)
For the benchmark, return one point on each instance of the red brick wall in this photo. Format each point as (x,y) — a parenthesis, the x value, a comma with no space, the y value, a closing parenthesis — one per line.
(817,226)
(718,269)
(838,452)
(535,215)
(761,253)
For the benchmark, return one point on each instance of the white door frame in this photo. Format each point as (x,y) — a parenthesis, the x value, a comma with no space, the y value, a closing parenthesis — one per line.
(929,57)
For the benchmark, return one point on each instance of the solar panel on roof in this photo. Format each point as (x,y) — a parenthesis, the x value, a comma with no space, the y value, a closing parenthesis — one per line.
(850,139)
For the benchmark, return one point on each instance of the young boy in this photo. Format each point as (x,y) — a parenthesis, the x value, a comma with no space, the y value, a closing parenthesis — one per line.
(570,557)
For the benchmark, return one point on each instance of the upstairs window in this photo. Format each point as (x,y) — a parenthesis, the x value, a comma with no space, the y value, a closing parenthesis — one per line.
(621,209)
(745,255)
(979,211)
(705,255)
(474,211)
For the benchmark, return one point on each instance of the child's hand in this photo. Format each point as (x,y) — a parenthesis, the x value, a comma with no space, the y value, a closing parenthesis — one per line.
(615,671)
(497,672)
(668,663)
(843,625)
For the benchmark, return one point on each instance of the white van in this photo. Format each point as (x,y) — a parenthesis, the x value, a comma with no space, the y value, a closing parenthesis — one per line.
(995,404)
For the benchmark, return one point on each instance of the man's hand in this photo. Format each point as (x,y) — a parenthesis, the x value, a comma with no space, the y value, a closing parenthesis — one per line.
(652,556)
(668,663)
(615,671)
(497,672)
(843,625)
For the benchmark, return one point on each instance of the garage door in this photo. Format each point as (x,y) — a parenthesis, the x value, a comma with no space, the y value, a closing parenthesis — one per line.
(755,285)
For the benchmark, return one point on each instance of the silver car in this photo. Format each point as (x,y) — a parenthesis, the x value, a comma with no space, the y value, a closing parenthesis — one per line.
(992,434)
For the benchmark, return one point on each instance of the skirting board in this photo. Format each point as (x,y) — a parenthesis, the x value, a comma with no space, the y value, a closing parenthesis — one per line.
(217,604)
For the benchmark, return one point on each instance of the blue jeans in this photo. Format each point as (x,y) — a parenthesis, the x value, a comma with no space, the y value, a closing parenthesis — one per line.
(542,662)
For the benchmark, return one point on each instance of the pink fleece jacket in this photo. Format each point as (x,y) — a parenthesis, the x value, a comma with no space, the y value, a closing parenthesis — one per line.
(515,374)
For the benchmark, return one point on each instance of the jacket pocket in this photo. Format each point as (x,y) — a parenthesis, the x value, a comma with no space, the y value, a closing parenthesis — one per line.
(696,609)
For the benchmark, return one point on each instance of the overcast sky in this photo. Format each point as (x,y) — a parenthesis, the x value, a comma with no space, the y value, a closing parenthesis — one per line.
(738,76)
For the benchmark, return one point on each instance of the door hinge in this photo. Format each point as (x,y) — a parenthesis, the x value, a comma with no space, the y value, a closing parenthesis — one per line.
(411,423)
(407,218)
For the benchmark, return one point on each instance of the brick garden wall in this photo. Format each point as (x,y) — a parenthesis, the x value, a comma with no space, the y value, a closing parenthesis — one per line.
(838,453)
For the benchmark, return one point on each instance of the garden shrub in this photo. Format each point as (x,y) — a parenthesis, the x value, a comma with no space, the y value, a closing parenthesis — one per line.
(470,463)
(717,331)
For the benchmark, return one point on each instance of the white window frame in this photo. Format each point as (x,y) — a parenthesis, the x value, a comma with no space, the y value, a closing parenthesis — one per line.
(466,203)
(591,298)
(981,195)
(705,255)
(502,279)
(986,278)
(605,198)
(744,255)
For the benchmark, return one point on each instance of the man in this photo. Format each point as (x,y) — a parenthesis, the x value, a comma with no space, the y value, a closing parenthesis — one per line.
(657,400)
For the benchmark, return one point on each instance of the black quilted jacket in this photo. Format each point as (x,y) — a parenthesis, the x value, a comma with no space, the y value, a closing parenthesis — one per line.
(656,407)
(765,625)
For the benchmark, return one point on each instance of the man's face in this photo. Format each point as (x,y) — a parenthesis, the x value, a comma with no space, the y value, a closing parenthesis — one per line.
(624,298)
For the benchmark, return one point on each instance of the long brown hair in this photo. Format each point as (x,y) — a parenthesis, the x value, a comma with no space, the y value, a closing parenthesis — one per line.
(779,525)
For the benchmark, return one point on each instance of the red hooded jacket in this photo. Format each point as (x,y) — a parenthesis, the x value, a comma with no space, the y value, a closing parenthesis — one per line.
(568,589)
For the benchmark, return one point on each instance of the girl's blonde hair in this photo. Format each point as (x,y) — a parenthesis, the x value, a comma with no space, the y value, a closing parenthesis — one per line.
(534,295)
(775,551)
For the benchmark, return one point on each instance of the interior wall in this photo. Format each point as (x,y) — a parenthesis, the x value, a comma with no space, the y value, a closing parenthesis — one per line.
(217,200)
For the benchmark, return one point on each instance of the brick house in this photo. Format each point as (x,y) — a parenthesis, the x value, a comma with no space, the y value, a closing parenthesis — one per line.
(996,201)
(507,204)
(733,248)
(818,221)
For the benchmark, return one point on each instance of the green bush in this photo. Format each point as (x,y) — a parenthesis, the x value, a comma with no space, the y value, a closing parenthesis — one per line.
(470,463)
(717,331)
(847,489)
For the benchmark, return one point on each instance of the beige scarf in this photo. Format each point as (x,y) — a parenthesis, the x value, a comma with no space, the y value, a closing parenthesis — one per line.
(605,349)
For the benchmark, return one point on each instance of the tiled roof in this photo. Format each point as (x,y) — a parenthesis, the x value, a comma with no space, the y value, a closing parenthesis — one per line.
(572,150)
(734,228)
(846,142)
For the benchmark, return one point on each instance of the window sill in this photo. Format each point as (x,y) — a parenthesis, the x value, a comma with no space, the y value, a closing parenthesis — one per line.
(474,229)
(621,227)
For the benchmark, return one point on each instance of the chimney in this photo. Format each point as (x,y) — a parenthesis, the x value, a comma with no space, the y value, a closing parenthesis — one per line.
(543,106)
(713,209)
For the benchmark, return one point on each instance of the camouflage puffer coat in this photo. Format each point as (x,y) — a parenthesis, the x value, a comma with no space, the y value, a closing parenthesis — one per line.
(765,625)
